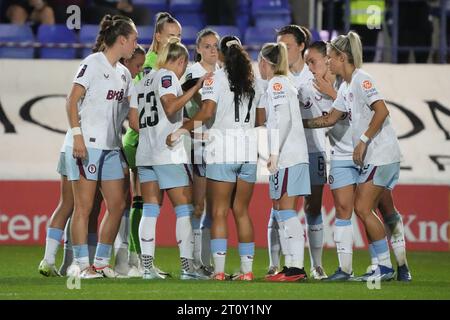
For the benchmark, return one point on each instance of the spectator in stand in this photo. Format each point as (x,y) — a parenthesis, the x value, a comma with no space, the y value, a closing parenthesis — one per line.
(34,11)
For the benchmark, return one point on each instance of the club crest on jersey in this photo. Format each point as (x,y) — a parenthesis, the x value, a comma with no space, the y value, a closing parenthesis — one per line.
(115,95)
(166,82)
(307,105)
(330,179)
(277,86)
(92,168)
(81,73)
(124,79)
(350,97)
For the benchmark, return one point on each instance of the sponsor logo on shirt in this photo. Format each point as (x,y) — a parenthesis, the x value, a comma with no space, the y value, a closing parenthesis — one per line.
(367,84)
(277,86)
(115,95)
(189,76)
(81,73)
(369,89)
(166,82)
(209,82)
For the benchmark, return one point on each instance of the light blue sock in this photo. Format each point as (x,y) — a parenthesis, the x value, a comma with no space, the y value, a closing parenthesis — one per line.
(382,250)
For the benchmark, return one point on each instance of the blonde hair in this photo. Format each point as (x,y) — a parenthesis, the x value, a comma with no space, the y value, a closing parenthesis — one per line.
(161,19)
(276,55)
(173,50)
(349,44)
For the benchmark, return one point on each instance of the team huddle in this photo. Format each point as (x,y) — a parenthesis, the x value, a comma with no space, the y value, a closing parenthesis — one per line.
(193,134)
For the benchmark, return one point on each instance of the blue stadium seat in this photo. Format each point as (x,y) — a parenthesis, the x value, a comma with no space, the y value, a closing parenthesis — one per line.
(226,30)
(256,37)
(154,5)
(273,13)
(57,33)
(145,34)
(188,38)
(16,33)
(185,6)
(242,21)
(270,7)
(88,34)
(189,35)
(272,20)
(244,6)
(193,19)
(315,35)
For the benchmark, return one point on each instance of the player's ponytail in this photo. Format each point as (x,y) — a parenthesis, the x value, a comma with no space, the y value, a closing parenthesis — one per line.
(238,66)
(276,55)
(173,50)
(111,27)
(350,45)
(161,19)
(356,48)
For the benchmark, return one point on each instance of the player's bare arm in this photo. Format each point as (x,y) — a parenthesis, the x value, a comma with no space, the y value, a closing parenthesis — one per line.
(77,92)
(328,120)
(172,104)
(205,113)
(380,115)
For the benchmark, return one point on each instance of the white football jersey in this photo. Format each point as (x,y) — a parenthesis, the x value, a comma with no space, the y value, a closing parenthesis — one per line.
(231,132)
(284,124)
(101,110)
(340,135)
(261,86)
(361,93)
(316,104)
(154,124)
(313,104)
(68,140)
(303,76)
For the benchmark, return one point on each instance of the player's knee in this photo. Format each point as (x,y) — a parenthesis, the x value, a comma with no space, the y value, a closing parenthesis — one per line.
(343,211)
(198,210)
(362,209)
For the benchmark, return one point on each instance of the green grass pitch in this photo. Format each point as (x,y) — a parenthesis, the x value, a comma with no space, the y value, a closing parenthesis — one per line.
(19,279)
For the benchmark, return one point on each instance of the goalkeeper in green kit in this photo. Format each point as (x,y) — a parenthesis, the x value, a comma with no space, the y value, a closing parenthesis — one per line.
(165,27)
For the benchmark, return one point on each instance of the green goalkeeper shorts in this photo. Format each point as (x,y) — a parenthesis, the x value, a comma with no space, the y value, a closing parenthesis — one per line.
(130,142)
